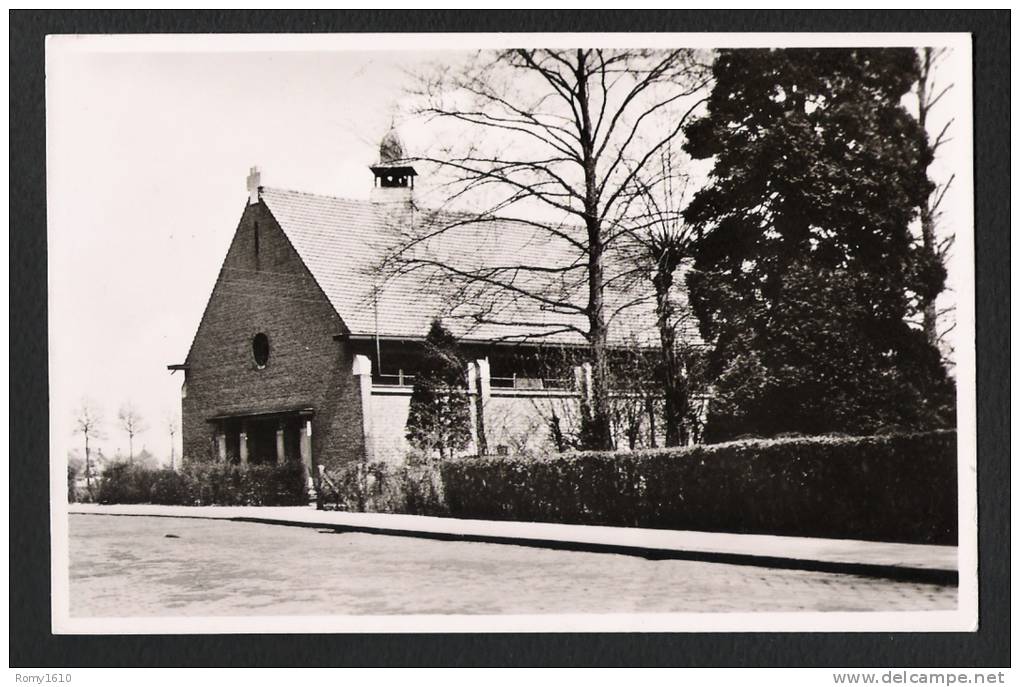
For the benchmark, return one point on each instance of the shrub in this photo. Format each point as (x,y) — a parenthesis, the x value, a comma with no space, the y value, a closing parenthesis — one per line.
(205,484)
(413,488)
(124,482)
(273,485)
(72,478)
(215,484)
(422,486)
(891,488)
(172,488)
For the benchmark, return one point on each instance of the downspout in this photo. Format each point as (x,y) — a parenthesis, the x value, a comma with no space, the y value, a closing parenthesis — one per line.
(375,306)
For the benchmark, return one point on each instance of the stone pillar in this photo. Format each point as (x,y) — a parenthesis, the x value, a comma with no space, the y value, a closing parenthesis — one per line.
(244,445)
(362,371)
(281,448)
(481,400)
(221,445)
(582,382)
(306,459)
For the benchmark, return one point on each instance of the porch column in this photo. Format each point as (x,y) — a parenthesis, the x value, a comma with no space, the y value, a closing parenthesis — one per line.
(306,459)
(362,371)
(244,444)
(280,447)
(221,445)
(481,400)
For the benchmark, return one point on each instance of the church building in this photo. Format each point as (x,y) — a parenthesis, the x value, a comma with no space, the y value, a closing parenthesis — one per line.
(304,353)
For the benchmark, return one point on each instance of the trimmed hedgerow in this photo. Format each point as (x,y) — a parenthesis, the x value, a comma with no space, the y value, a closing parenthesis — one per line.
(889,488)
(274,485)
(205,485)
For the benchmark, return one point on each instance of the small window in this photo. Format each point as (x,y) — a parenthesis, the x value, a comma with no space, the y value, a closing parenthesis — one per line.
(256,239)
(260,350)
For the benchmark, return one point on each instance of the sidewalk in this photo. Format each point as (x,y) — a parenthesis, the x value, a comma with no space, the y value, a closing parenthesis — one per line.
(915,562)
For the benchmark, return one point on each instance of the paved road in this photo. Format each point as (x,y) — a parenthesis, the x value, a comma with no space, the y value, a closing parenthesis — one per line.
(128,566)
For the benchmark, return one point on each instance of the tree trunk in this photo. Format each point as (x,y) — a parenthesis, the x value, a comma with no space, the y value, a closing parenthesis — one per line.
(601,431)
(673,384)
(928,313)
(557,432)
(88,467)
(929,322)
(600,434)
(650,410)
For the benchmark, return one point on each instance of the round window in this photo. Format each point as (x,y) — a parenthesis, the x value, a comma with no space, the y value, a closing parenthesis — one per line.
(260,349)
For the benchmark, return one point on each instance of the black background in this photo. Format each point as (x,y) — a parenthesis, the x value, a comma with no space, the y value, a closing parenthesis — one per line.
(31,643)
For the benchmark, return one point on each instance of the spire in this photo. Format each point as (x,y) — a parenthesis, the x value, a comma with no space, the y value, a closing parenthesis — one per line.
(391,148)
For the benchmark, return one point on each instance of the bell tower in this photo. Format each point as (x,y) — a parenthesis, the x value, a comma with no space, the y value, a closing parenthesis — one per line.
(394,177)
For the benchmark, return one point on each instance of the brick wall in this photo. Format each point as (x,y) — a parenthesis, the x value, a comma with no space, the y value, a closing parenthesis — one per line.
(389,420)
(520,421)
(515,419)
(270,291)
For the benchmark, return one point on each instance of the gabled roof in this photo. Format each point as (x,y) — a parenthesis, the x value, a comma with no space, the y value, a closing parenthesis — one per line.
(343,241)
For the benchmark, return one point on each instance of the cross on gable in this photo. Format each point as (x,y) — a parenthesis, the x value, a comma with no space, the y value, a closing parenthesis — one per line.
(254,182)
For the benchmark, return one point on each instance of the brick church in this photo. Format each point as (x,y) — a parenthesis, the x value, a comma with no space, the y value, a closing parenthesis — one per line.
(305,354)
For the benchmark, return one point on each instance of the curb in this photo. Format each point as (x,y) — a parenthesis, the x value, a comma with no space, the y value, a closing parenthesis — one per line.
(898,573)
(901,573)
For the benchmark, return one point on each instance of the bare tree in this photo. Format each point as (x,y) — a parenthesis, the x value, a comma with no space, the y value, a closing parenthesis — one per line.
(88,421)
(661,243)
(172,428)
(132,423)
(555,140)
(929,93)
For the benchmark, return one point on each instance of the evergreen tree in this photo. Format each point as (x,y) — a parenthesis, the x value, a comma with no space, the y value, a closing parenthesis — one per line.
(804,266)
(439,416)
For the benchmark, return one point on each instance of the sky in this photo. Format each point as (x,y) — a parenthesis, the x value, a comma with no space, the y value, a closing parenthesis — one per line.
(148,159)
(148,150)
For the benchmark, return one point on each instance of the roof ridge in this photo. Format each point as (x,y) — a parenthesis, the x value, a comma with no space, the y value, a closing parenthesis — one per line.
(315,195)
(451,213)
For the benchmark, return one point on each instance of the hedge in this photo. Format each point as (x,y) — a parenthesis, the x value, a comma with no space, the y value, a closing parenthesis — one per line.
(887,488)
(205,485)
(413,488)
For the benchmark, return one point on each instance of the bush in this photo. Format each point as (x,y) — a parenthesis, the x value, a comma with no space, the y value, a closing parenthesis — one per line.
(889,488)
(72,479)
(413,488)
(273,485)
(125,483)
(172,488)
(215,484)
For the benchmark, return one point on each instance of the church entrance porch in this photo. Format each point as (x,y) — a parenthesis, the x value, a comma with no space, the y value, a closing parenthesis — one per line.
(265,438)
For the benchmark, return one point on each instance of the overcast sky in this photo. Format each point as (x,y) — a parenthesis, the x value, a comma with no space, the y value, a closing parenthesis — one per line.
(147,158)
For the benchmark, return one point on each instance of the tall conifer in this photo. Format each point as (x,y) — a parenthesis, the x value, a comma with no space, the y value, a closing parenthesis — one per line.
(803,273)
(439,416)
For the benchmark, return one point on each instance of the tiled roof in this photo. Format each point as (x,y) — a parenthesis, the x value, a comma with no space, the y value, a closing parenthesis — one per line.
(343,242)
